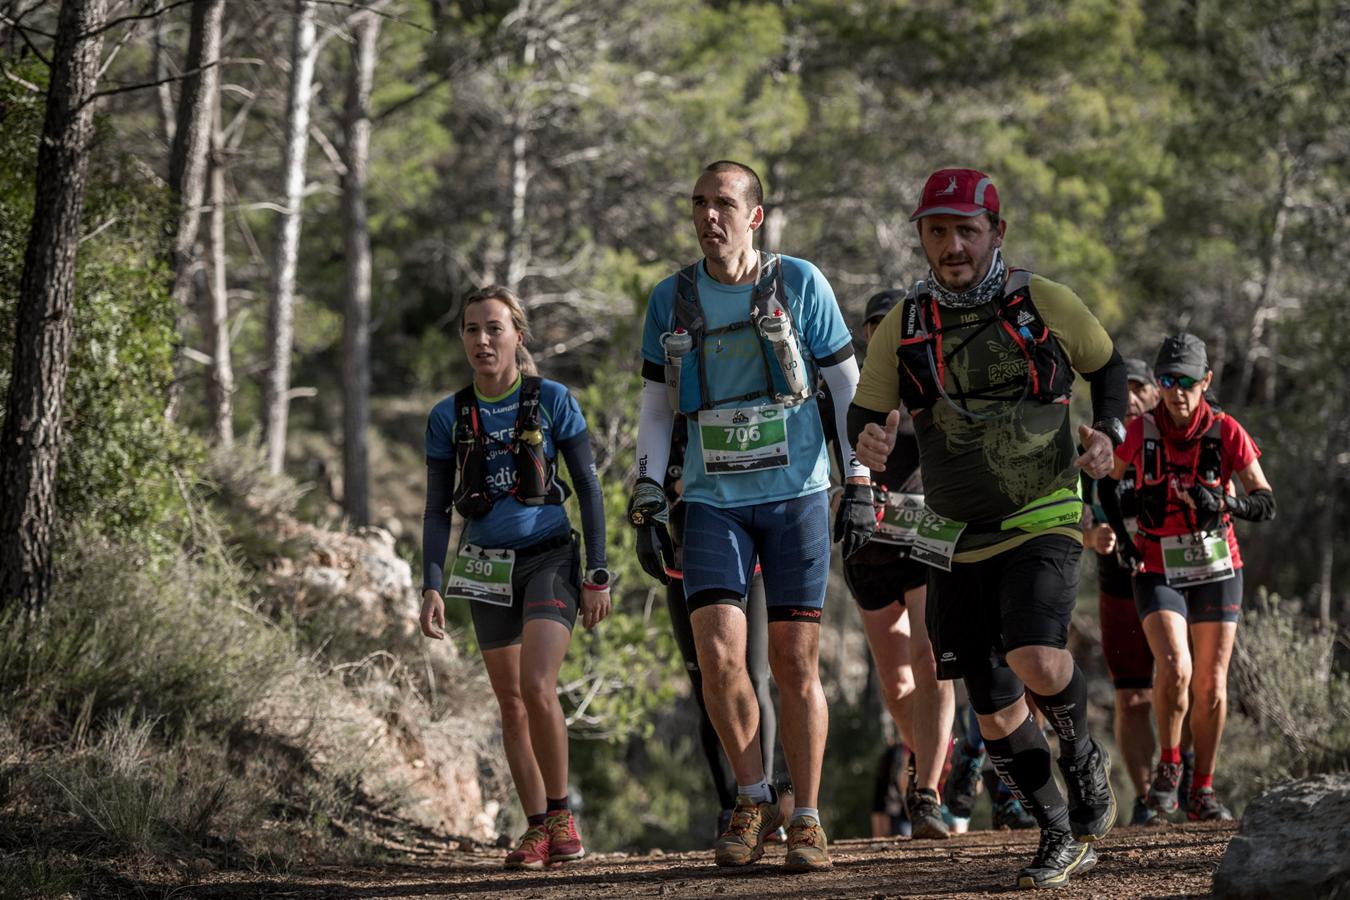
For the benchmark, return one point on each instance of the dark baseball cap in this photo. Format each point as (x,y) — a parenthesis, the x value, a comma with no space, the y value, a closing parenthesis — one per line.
(1182,354)
(957,192)
(881,303)
(1138,370)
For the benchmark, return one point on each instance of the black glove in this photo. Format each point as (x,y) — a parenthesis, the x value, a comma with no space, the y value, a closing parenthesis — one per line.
(1127,553)
(649,512)
(856,519)
(1258,506)
(1206,499)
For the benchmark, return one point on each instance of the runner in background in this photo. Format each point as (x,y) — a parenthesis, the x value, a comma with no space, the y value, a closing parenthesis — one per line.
(1124,645)
(492,453)
(1188,571)
(891,591)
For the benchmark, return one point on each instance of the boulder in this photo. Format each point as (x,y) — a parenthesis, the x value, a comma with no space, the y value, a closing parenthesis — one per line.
(1294,842)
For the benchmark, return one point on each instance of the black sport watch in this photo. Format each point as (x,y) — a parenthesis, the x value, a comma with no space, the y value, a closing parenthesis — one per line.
(1112,429)
(597,578)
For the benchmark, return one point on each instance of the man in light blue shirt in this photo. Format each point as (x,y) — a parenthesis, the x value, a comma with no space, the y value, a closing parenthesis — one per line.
(737,343)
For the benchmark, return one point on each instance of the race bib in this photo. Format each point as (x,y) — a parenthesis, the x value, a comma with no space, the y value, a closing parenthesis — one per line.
(935,540)
(900,520)
(482,575)
(1191,559)
(747,439)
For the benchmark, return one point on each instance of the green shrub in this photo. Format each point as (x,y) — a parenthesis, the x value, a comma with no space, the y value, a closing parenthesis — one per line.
(1289,706)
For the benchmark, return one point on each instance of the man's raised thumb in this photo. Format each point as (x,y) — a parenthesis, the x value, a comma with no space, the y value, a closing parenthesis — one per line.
(892,422)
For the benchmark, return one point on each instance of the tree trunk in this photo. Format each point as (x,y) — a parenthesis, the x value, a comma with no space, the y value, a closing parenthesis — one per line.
(216,322)
(188,162)
(516,250)
(281,309)
(1258,346)
(31,441)
(356,314)
(163,90)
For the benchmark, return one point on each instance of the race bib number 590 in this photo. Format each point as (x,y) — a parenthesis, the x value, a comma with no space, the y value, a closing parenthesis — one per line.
(482,575)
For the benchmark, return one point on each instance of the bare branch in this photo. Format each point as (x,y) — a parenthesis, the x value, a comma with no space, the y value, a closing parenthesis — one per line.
(376,9)
(23,33)
(153,14)
(127,88)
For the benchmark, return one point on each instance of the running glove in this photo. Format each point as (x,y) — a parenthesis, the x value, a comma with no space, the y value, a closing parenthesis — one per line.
(1127,553)
(1207,499)
(855,520)
(649,512)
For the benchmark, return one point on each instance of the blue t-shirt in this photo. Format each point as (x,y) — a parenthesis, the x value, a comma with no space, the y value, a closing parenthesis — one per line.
(510,524)
(734,365)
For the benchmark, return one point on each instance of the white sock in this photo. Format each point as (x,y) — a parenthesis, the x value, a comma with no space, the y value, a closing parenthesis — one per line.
(760,792)
(803,811)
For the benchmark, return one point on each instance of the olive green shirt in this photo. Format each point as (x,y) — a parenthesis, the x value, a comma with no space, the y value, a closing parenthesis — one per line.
(981,470)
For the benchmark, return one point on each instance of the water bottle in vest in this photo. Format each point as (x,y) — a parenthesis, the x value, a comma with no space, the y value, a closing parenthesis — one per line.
(676,344)
(531,467)
(777,330)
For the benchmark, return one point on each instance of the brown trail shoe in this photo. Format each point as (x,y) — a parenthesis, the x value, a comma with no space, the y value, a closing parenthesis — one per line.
(808,850)
(743,841)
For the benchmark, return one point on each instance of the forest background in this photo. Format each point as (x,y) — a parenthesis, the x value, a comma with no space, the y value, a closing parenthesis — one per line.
(258,220)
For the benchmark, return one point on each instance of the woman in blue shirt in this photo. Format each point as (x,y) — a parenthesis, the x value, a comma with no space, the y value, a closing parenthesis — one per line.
(518,564)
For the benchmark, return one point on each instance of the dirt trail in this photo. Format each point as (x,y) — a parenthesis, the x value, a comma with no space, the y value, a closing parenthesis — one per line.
(1170,862)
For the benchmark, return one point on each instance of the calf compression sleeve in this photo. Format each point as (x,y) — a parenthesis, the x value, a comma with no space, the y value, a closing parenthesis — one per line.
(1022,760)
(1066,712)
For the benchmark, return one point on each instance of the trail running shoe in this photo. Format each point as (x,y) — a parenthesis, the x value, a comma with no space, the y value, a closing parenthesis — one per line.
(1205,807)
(1162,793)
(1142,815)
(532,851)
(564,842)
(1057,857)
(723,820)
(963,783)
(1092,802)
(743,841)
(1010,813)
(808,850)
(925,815)
(1187,770)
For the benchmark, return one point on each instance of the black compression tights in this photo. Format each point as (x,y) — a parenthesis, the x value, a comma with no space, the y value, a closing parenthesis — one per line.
(756,661)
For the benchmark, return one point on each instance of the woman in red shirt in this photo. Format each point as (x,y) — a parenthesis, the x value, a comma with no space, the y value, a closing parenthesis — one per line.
(1188,571)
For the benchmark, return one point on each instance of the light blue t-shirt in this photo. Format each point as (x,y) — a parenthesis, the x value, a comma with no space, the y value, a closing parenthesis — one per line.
(510,524)
(734,366)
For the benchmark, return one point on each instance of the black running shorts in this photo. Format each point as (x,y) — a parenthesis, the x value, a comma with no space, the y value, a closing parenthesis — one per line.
(878,586)
(1218,601)
(545,584)
(1021,597)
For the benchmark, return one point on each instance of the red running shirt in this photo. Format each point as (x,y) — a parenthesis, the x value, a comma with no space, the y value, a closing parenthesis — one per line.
(1239,452)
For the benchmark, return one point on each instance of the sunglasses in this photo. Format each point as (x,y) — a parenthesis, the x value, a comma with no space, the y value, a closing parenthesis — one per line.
(1185,382)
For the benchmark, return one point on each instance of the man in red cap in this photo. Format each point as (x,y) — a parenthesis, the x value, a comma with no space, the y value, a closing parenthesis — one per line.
(987,357)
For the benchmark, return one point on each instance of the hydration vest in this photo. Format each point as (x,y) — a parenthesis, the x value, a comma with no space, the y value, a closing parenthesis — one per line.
(536,481)
(1155,476)
(923,365)
(768,301)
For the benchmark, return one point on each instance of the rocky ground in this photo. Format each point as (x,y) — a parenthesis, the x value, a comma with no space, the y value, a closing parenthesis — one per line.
(1169,862)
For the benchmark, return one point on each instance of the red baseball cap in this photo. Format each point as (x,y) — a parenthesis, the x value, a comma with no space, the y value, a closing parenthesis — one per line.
(957,192)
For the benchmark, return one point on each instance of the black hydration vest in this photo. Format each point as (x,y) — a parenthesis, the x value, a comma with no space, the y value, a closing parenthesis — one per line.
(922,363)
(536,481)
(769,299)
(1156,475)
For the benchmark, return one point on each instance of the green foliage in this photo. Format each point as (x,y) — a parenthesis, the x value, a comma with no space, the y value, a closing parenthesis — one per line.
(1294,702)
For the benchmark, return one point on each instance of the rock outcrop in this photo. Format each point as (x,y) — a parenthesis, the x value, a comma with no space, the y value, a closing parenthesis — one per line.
(1294,842)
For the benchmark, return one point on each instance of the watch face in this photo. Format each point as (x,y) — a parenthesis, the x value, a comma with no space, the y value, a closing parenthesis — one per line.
(598,577)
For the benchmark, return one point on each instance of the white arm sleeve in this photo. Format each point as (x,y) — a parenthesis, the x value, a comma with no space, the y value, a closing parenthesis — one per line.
(841,380)
(656,422)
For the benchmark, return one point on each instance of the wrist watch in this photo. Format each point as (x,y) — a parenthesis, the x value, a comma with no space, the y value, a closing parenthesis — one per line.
(597,578)
(1112,429)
